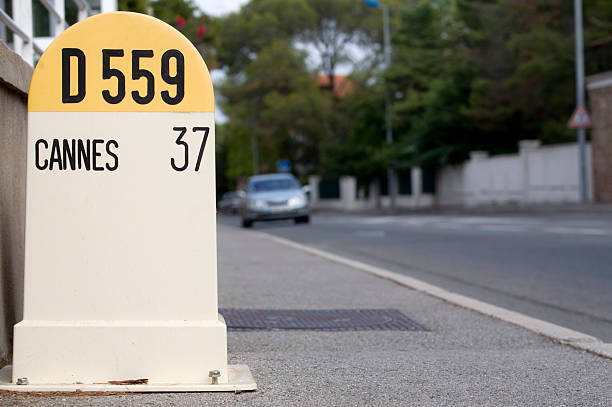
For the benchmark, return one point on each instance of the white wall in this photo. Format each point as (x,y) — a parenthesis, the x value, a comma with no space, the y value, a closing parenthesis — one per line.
(536,175)
(481,180)
(350,199)
(554,175)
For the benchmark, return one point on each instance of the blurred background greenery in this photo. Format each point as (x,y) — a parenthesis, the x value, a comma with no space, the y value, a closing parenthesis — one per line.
(465,75)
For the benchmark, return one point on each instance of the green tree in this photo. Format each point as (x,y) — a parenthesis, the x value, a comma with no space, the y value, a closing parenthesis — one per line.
(276,99)
(271,91)
(530,93)
(338,24)
(431,76)
(260,22)
(359,148)
(598,35)
(137,6)
(482,74)
(199,28)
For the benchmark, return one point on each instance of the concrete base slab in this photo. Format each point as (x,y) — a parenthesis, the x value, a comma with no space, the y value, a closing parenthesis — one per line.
(239,379)
(102,351)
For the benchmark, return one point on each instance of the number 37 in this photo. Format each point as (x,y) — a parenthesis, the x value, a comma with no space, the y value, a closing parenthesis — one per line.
(179,141)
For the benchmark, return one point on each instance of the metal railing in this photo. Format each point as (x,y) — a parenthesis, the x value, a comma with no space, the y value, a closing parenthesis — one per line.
(59,18)
(21,22)
(84,8)
(12,25)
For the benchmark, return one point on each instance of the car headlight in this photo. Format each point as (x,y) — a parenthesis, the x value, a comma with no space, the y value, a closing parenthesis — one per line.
(256,203)
(296,201)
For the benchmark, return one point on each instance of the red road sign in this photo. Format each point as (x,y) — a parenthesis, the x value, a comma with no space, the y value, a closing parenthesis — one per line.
(580,119)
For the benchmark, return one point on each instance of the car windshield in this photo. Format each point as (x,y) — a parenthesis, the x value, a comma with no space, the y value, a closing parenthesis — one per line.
(274,184)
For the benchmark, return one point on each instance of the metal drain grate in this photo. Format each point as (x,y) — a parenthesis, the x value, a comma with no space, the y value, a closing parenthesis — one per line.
(319,320)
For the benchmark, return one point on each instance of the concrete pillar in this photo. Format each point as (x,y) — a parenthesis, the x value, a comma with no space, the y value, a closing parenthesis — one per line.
(375,194)
(22,14)
(416,182)
(526,147)
(477,179)
(348,192)
(59,26)
(396,189)
(313,182)
(83,12)
(15,75)
(478,155)
(107,6)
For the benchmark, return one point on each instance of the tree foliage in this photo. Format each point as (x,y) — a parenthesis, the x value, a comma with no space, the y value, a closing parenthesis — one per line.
(466,75)
(272,93)
(276,100)
(186,17)
(484,74)
(136,6)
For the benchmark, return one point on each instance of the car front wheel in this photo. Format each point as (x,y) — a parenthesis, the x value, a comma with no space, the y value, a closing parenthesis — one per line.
(247,223)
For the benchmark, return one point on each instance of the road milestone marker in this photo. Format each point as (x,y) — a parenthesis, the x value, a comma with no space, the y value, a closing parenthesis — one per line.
(121,265)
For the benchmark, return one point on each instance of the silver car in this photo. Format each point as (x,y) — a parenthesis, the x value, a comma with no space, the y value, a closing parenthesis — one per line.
(273,196)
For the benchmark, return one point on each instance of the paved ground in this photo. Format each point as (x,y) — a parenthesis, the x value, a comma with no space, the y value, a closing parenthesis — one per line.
(466,360)
(556,268)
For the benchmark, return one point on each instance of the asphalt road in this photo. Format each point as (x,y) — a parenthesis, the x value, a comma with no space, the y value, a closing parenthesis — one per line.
(554,267)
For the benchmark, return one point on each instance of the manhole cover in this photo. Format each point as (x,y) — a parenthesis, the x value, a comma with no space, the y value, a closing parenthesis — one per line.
(319,320)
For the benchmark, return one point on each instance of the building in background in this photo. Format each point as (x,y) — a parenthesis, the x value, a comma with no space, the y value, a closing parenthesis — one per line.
(29,26)
(598,57)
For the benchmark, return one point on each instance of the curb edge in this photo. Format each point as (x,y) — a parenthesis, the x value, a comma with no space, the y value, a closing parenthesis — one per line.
(557,333)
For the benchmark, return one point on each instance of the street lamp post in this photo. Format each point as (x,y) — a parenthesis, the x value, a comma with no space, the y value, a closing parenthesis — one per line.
(255,138)
(579,48)
(388,124)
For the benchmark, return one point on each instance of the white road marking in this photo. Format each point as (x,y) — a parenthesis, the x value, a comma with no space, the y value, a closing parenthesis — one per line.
(502,228)
(578,231)
(379,220)
(482,223)
(448,225)
(371,233)
(478,220)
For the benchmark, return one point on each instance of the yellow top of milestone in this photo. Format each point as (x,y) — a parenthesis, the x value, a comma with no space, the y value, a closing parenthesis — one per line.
(121,62)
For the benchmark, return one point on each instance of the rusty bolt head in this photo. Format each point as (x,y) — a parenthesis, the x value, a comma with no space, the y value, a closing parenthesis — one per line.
(214,376)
